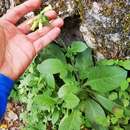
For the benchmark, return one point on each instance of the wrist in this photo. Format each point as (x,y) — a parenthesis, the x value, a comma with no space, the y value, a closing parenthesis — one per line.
(7,72)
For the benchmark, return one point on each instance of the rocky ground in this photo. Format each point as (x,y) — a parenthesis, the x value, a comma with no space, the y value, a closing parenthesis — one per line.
(11,120)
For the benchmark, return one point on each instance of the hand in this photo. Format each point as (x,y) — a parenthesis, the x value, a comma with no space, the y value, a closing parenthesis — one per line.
(18,47)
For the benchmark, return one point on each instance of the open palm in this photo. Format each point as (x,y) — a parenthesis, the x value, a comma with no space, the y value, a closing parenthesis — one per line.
(20,45)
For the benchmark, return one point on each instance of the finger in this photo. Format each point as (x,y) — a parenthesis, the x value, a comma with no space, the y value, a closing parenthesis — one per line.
(25,27)
(13,15)
(45,40)
(2,45)
(39,33)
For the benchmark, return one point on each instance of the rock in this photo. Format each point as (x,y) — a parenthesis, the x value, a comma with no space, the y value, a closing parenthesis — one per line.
(106,27)
(4,5)
(105,24)
(65,8)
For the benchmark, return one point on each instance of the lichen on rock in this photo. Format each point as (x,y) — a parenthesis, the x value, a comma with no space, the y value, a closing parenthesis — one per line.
(105,24)
(106,27)
(4,5)
(65,8)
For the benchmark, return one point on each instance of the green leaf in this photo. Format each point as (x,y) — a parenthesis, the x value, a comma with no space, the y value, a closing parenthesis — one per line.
(41,126)
(125,64)
(98,127)
(53,51)
(55,117)
(113,96)
(78,46)
(66,90)
(45,101)
(106,62)
(118,128)
(114,120)
(118,112)
(106,103)
(105,78)
(83,62)
(71,122)
(125,102)
(51,66)
(124,85)
(50,80)
(93,110)
(103,121)
(71,101)
(127,127)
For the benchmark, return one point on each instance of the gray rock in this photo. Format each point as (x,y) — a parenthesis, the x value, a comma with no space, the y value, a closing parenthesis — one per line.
(4,5)
(105,24)
(106,27)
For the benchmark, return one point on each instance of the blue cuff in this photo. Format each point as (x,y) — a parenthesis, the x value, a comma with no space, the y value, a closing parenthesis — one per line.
(6,85)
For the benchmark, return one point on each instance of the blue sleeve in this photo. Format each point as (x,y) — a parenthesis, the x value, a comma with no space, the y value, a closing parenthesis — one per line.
(6,85)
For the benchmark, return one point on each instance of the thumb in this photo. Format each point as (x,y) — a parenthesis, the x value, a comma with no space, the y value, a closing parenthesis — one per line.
(2,45)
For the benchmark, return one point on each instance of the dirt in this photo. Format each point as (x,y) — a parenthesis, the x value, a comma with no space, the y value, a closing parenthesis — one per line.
(11,119)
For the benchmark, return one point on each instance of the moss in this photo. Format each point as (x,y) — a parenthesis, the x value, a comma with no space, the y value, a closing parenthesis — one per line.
(107,10)
(119,4)
(126,23)
(81,9)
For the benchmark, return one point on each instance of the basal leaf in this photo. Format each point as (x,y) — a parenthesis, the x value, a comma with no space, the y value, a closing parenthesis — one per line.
(78,46)
(67,93)
(50,80)
(106,78)
(83,62)
(53,51)
(66,90)
(93,110)
(106,103)
(71,101)
(45,101)
(71,122)
(51,66)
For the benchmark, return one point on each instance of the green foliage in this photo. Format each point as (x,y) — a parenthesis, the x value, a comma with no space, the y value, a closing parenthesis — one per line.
(65,89)
(71,122)
(105,78)
(76,46)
